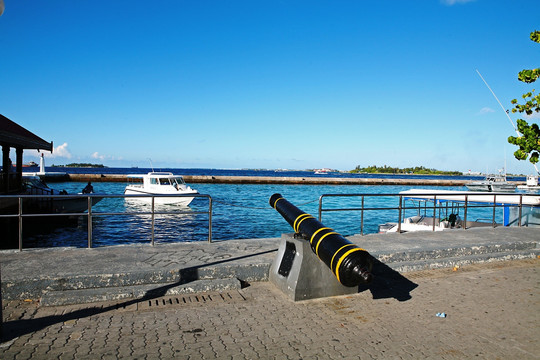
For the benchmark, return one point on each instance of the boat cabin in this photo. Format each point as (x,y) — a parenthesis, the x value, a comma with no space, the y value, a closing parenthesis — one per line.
(156,180)
(517,209)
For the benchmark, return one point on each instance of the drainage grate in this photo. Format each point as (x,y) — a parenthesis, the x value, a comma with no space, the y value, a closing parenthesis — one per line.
(195,299)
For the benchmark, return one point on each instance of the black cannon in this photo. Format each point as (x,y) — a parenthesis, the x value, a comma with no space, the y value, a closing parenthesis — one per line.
(351,264)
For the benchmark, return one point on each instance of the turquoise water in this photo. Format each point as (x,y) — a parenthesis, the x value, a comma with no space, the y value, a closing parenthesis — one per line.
(239,212)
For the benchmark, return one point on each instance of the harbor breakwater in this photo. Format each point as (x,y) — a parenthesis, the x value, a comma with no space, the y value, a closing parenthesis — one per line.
(211,179)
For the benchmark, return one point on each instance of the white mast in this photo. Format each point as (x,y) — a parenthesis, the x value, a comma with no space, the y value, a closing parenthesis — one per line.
(508,116)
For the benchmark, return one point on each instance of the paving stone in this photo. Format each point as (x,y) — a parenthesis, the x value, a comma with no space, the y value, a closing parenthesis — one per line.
(493,312)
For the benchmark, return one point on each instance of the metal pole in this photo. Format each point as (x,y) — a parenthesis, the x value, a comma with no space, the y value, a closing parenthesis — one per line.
(210,219)
(465,213)
(520,209)
(153,216)
(20,224)
(399,215)
(89,222)
(494,208)
(434,210)
(361,218)
(320,208)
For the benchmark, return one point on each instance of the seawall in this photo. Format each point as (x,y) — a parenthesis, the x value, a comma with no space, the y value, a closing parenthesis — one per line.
(276,180)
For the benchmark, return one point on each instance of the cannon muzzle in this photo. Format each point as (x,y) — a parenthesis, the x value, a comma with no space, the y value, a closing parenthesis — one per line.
(351,264)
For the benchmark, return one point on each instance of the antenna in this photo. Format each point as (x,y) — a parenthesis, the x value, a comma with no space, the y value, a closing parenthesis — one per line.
(502,107)
(151,165)
(505,111)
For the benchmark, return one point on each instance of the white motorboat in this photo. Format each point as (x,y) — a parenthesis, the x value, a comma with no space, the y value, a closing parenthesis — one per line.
(494,183)
(160,183)
(446,207)
(531,184)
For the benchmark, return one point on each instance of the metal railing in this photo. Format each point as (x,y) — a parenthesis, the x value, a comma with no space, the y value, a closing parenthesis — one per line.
(15,210)
(436,198)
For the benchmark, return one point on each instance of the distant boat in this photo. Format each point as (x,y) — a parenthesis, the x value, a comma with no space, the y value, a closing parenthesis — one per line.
(494,183)
(160,183)
(531,184)
(323,171)
(48,175)
(30,164)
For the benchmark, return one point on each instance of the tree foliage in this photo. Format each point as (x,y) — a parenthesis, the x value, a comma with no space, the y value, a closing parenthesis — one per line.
(419,170)
(529,141)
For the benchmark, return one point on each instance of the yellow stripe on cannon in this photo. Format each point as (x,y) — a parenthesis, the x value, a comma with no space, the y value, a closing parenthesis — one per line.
(351,264)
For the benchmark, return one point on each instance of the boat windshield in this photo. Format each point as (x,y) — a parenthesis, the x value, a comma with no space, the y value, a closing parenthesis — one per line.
(33,181)
(166,181)
(180,180)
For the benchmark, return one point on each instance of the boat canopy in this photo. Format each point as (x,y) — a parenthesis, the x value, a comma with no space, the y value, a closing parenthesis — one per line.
(472,196)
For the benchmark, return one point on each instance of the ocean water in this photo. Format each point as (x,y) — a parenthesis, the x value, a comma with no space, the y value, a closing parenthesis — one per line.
(240,211)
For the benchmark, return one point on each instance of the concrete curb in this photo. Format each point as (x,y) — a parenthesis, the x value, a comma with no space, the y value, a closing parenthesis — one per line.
(50,273)
(83,296)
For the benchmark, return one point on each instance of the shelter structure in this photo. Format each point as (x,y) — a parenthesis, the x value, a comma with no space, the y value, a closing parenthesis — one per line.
(15,136)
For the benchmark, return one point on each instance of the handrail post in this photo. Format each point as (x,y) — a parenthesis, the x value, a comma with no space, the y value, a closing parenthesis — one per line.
(89,222)
(465,212)
(209,219)
(20,223)
(399,214)
(494,210)
(361,218)
(434,211)
(153,220)
(320,207)
(520,209)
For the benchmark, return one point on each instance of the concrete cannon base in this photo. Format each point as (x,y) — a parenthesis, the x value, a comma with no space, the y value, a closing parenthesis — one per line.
(299,273)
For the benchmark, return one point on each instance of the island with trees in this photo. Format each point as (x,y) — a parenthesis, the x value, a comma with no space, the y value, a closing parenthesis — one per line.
(81,165)
(418,170)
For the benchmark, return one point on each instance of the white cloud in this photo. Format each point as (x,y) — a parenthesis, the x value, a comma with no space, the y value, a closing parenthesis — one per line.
(485,110)
(100,157)
(535,115)
(97,156)
(454,2)
(61,151)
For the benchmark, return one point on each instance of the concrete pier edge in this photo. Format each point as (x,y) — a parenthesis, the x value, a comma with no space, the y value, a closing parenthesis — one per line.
(208,179)
(57,275)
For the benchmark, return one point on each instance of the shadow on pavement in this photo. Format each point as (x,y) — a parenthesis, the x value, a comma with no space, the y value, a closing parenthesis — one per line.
(13,329)
(388,283)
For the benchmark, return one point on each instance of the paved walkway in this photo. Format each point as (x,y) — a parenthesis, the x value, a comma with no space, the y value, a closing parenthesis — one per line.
(492,312)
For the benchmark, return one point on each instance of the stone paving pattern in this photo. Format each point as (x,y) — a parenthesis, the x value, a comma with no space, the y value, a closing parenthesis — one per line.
(492,312)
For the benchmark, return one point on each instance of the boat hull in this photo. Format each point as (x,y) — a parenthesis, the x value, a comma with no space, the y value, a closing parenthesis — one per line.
(181,199)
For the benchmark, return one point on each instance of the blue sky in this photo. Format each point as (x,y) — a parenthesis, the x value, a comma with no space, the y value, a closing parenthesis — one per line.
(268,84)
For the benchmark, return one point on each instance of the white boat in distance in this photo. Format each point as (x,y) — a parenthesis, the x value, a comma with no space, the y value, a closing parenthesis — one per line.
(447,206)
(159,183)
(494,183)
(531,184)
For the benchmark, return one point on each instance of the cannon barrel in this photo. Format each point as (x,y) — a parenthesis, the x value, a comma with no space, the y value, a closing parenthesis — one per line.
(351,264)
